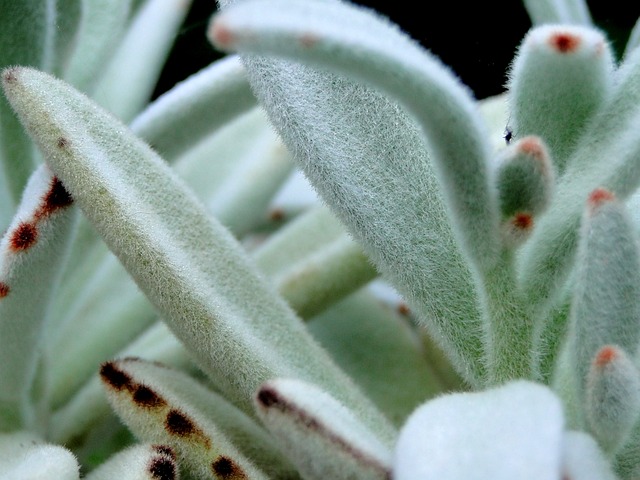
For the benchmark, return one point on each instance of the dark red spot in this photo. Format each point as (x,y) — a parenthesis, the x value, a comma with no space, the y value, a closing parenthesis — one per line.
(23,237)
(4,289)
(225,468)
(56,198)
(268,397)
(522,221)
(143,396)
(308,40)
(114,376)
(163,468)
(276,215)
(179,424)
(599,196)
(606,355)
(564,42)
(62,142)
(165,450)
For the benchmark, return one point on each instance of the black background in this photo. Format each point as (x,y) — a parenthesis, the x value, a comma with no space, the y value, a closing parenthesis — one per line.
(477,39)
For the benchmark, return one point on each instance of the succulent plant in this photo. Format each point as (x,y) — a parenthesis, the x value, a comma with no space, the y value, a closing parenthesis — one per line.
(197,286)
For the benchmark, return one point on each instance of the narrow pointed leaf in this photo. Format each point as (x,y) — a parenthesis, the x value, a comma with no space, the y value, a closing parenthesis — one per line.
(162,405)
(195,107)
(366,159)
(127,82)
(319,435)
(353,42)
(32,254)
(139,462)
(190,267)
(514,431)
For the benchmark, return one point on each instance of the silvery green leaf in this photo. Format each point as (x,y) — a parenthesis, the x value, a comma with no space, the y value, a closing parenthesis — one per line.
(191,268)
(319,435)
(126,83)
(32,254)
(367,159)
(195,107)
(513,431)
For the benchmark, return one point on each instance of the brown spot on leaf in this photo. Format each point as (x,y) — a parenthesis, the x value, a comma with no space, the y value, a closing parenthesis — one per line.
(145,397)
(276,215)
(606,355)
(225,468)
(564,42)
(403,309)
(114,377)
(4,289)
(179,424)
(23,237)
(600,196)
(267,396)
(522,221)
(163,467)
(56,198)
(62,142)
(308,40)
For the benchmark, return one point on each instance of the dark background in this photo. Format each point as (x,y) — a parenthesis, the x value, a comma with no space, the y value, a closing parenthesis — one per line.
(476,40)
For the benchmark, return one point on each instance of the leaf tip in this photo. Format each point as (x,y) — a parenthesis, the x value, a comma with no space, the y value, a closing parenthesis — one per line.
(267,396)
(564,42)
(163,467)
(220,35)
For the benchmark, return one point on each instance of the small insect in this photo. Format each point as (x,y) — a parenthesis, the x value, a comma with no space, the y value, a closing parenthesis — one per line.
(508,135)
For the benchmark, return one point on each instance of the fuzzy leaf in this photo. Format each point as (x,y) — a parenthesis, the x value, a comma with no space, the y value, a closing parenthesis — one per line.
(314,262)
(195,107)
(559,78)
(612,397)
(320,436)
(558,11)
(606,301)
(162,405)
(514,431)
(380,350)
(32,254)
(24,456)
(582,459)
(366,158)
(190,267)
(127,82)
(139,462)
(102,23)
